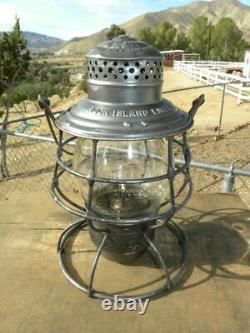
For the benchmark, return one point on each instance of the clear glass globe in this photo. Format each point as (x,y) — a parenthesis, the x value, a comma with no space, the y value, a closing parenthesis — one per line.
(124,160)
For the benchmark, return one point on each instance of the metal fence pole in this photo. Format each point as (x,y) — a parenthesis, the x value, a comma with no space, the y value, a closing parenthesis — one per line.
(228,182)
(222,109)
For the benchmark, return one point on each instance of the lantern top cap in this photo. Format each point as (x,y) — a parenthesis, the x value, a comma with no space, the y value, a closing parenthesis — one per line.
(124,47)
(124,96)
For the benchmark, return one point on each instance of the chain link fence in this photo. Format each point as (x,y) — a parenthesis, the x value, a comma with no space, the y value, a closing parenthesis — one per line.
(30,164)
(30,157)
(31,161)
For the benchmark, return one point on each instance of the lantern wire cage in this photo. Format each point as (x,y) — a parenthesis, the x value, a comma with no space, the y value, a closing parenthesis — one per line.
(89,217)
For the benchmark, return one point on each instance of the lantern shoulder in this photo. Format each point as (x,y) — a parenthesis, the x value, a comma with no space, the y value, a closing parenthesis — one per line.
(124,47)
(105,121)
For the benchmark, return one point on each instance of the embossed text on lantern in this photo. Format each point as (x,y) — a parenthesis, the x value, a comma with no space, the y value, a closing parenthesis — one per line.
(124,113)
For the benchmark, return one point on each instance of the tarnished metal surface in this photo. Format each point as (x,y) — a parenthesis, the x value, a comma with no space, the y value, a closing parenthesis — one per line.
(124,101)
(123,47)
(123,122)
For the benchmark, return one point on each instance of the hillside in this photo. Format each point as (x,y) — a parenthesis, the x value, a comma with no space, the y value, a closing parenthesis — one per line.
(180,17)
(40,42)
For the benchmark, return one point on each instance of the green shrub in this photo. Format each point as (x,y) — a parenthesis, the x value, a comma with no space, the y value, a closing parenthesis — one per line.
(83,86)
(30,91)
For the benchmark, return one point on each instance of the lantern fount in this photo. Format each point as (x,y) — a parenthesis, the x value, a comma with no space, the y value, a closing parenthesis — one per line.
(120,143)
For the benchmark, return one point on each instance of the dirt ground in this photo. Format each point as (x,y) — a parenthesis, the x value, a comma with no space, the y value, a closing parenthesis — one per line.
(210,298)
(233,147)
(235,143)
(207,118)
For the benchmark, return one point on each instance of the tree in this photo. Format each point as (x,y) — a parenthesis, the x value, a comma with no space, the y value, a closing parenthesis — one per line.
(114,31)
(146,35)
(182,41)
(163,37)
(14,63)
(228,42)
(199,35)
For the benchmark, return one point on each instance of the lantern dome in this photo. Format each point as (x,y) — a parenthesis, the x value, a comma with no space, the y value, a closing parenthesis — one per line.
(124,100)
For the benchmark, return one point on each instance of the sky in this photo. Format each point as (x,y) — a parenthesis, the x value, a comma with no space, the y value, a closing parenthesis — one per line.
(76,18)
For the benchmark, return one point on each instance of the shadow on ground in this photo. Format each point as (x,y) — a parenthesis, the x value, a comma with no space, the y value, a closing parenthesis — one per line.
(216,244)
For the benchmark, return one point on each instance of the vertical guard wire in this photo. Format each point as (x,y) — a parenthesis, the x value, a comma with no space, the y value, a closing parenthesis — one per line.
(146,159)
(94,265)
(187,158)
(91,183)
(93,174)
(186,151)
(168,284)
(59,153)
(171,172)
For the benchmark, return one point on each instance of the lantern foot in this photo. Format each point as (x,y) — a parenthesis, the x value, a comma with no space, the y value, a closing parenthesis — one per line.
(171,280)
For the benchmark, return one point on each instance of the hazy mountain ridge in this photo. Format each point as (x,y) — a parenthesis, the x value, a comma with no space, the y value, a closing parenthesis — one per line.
(38,42)
(180,17)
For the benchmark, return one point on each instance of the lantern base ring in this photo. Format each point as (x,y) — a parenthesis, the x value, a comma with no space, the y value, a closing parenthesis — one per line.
(170,282)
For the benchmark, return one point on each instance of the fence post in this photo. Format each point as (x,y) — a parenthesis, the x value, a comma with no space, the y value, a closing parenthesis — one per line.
(240,93)
(228,182)
(221,110)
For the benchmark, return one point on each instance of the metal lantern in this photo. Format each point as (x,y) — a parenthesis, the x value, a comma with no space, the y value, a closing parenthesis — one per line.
(124,136)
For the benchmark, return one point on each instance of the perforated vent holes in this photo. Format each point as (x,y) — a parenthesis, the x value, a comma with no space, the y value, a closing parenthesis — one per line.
(125,71)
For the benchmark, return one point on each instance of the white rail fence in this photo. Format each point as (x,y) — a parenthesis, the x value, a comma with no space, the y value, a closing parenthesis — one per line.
(214,64)
(209,72)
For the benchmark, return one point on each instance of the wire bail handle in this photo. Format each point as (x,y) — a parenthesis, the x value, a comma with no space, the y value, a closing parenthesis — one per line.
(197,103)
(44,104)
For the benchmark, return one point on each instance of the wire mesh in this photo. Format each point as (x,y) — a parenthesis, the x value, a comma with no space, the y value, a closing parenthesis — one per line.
(31,163)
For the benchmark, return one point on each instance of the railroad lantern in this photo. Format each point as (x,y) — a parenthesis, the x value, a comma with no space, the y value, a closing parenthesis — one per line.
(124,136)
